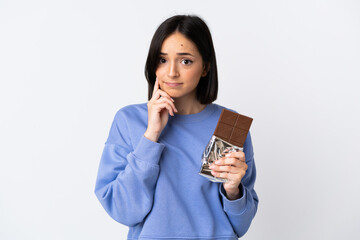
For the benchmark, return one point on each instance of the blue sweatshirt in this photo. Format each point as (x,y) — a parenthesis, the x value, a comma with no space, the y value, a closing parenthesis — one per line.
(155,188)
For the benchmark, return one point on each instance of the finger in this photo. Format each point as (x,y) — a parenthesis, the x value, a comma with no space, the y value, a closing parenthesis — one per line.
(169,101)
(230,169)
(227,168)
(165,96)
(160,106)
(239,154)
(220,174)
(229,161)
(157,89)
(229,176)
(162,93)
(161,103)
(156,86)
(165,100)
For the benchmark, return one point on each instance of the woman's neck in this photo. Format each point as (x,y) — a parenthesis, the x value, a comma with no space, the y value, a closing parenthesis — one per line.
(188,106)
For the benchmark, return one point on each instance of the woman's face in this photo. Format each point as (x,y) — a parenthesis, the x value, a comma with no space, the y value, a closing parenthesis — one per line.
(180,66)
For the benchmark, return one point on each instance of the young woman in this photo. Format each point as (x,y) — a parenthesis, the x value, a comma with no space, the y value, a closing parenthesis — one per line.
(148,177)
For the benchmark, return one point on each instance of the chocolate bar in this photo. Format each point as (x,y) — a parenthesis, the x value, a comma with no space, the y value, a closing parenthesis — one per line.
(229,136)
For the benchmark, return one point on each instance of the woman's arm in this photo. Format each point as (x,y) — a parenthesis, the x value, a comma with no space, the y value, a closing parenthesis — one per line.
(127,176)
(242,211)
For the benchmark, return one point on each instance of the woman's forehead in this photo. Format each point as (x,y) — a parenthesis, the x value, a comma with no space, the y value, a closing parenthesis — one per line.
(178,43)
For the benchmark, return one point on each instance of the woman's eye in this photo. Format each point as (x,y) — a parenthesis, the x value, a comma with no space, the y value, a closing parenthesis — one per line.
(162,60)
(187,61)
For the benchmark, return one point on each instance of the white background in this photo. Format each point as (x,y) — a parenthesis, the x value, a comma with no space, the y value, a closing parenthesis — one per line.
(67,66)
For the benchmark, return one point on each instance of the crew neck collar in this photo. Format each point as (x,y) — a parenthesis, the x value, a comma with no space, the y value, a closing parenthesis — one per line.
(196,117)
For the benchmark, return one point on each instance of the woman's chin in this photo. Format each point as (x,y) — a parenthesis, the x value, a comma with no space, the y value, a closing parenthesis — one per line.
(172,93)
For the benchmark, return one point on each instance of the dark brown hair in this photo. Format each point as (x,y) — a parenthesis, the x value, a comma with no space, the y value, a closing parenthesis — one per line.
(196,30)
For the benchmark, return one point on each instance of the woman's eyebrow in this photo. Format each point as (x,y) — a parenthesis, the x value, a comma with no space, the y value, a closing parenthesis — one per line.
(181,53)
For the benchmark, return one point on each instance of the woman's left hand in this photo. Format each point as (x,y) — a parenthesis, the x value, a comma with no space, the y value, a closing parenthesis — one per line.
(232,167)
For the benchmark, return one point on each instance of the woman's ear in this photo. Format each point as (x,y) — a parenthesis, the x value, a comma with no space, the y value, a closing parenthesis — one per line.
(206,69)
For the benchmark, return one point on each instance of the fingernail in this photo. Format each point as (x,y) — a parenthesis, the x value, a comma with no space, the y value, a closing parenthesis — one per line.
(172,100)
(228,155)
(176,110)
(217,162)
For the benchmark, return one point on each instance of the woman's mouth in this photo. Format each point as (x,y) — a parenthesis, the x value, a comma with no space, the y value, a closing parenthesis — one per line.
(173,84)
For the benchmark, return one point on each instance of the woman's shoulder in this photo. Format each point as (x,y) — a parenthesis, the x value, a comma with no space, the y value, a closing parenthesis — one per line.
(132,110)
(220,107)
(133,107)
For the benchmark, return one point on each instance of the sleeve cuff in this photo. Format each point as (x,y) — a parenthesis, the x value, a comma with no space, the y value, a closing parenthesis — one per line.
(149,151)
(237,206)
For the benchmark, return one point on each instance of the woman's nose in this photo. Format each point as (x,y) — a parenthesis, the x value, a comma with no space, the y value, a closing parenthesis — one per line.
(172,71)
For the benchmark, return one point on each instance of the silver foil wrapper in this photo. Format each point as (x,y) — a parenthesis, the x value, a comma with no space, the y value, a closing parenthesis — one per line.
(215,149)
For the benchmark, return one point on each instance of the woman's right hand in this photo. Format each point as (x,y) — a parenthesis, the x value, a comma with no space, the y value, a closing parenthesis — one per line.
(159,107)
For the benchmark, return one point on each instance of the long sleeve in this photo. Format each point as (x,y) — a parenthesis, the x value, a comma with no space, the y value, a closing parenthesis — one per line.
(127,175)
(242,211)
